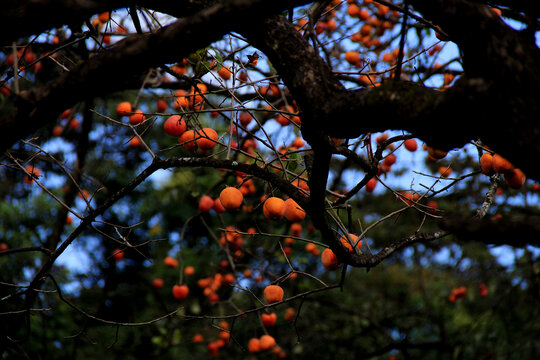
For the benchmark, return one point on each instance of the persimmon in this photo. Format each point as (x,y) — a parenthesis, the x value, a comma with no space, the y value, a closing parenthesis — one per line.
(197,339)
(273,293)
(158,283)
(329,259)
(124,108)
(274,208)
(3,246)
(352,57)
(135,142)
(118,254)
(206,138)
(370,185)
(187,140)
(269,320)
(104,16)
(389,160)
(69,220)
(486,164)
(205,203)
(299,143)
(445,171)
(515,178)
(289,314)
(254,345)
(293,212)
(175,125)
(180,292)
(348,245)
(267,342)
(189,270)
(296,229)
(410,144)
(231,198)
(436,153)
(34,173)
(245,118)
(137,117)
(161,105)
(224,73)
(501,165)
(353,10)
(170,262)
(213,348)
(218,207)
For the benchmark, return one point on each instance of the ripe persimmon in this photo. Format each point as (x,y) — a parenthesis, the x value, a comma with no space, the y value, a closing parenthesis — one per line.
(135,142)
(254,345)
(180,292)
(269,320)
(124,108)
(293,212)
(189,270)
(267,342)
(218,207)
(205,203)
(158,283)
(370,185)
(515,178)
(501,165)
(187,140)
(206,138)
(175,125)
(352,57)
(486,164)
(137,117)
(348,245)
(273,293)
(161,105)
(170,262)
(329,259)
(118,254)
(274,208)
(410,144)
(231,198)
(224,73)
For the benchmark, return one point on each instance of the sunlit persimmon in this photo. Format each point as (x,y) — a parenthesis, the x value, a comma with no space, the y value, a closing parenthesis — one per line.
(231,198)
(274,208)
